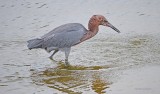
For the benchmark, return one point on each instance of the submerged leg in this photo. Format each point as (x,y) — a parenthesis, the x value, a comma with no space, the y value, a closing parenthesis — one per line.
(53,54)
(67,51)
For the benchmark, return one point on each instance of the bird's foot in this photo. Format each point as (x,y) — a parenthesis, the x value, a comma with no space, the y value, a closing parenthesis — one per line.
(66,62)
(47,51)
(50,58)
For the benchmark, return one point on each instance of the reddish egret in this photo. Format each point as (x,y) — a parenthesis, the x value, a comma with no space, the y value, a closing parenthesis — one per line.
(67,35)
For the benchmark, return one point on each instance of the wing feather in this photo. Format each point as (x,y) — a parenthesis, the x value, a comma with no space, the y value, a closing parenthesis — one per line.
(64,36)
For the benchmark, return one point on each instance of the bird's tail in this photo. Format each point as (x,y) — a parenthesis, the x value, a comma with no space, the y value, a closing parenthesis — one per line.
(35,43)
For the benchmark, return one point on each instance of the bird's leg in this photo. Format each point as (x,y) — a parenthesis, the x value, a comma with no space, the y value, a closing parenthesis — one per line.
(67,51)
(66,61)
(53,54)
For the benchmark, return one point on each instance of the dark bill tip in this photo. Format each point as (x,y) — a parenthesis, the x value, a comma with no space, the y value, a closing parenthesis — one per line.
(114,28)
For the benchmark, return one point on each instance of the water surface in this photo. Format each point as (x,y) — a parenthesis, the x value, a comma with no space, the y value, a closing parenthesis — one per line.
(95,64)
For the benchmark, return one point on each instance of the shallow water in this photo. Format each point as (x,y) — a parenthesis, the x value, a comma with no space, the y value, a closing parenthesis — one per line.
(73,79)
(95,64)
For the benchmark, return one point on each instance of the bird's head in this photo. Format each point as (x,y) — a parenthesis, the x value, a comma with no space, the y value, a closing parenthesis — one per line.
(101,20)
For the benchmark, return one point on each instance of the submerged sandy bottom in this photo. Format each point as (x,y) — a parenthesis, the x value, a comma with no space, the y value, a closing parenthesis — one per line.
(109,63)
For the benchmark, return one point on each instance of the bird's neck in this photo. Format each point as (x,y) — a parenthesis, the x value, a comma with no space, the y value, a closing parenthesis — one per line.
(92,31)
(93,28)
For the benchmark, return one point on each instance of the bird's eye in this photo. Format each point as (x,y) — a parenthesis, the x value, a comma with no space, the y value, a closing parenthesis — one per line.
(100,19)
(105,21)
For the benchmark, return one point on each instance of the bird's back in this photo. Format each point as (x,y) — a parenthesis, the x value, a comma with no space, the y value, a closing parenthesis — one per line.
(63,36)
(66,28)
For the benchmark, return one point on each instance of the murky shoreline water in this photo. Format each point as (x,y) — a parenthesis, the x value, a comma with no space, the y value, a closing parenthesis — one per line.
(92,70)
(96,63)
(72,80)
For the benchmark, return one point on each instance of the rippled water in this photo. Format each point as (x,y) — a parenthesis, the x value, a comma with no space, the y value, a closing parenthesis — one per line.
(95,64)
(73,79)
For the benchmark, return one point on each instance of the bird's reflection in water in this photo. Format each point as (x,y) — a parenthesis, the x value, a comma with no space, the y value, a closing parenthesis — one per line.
(72,79)
(99,85)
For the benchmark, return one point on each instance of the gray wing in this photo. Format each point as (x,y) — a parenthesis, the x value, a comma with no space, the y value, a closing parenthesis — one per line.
(64,36)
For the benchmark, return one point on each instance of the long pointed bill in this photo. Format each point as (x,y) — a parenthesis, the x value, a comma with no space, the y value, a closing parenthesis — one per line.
(114,28)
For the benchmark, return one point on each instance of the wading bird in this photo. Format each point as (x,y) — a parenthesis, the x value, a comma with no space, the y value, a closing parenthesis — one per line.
(68,35)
